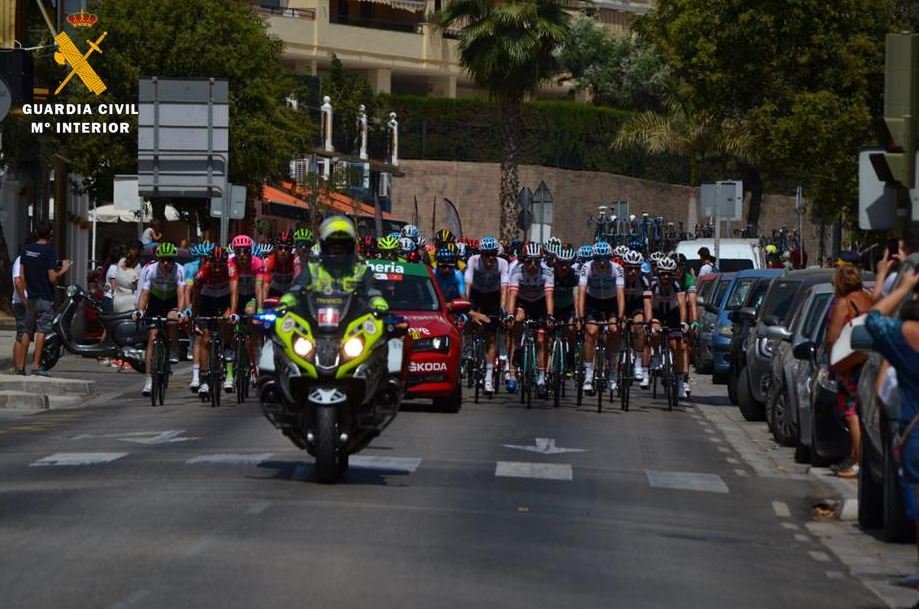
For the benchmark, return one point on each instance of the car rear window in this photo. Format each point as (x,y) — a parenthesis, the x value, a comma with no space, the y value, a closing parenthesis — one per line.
(739,294)
(723,285)
(778,301)
(816,313)
(755,299)
(725,265)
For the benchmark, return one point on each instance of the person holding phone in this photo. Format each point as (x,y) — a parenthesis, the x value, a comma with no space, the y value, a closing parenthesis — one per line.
(888,269)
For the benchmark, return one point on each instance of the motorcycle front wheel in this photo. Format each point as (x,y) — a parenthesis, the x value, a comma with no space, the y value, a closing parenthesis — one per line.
(326,453)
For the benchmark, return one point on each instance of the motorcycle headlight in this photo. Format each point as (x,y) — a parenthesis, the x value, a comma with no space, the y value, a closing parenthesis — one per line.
(303,347)
(726,330)
(438,343)
(72,291)
(354,346)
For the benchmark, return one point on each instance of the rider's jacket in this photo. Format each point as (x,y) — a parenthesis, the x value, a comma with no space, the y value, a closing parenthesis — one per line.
(159,283)
(665,300)
(483,279)
(635,294)
(602,285)
(245,277)
(564,288)
(532,287)
(453,284)
(211,282)
(350,274)
(279,274)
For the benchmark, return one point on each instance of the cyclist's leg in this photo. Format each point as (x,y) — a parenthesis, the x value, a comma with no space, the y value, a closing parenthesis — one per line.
(638,345)
(613,341)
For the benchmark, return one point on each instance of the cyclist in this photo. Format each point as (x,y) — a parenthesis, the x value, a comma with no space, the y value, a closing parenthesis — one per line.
(303,242)
(529,296)
(408,250)
(601,298)
(199,252)
(279,267)
(688,283)
(486,285)
(162,294)
(638,309)
(669,309)
(452,282)
(213,297)
(566,277)
(388,248)
(247,273)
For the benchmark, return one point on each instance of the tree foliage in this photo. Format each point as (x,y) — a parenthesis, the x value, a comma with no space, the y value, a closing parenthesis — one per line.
(623,72)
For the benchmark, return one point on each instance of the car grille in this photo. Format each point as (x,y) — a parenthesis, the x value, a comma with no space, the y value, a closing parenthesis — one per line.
(426,378)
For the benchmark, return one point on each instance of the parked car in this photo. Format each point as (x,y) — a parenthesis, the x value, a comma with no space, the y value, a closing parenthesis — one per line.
(742,320)
(786,404)
(434,366)
(781,300)
(880,495)
(704,292)
(730,295)
(708,317)
(733,254)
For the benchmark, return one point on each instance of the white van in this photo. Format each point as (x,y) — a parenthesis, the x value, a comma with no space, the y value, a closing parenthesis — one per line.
(734,254)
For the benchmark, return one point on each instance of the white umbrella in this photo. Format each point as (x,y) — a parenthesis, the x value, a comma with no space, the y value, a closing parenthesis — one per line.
(108,214)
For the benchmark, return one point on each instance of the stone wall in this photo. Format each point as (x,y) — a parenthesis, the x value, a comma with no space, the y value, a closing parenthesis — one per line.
(473,187)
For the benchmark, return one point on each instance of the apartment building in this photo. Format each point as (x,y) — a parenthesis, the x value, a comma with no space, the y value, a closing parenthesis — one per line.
(395,42)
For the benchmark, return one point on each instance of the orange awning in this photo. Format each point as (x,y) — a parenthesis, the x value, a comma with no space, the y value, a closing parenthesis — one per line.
(337,201)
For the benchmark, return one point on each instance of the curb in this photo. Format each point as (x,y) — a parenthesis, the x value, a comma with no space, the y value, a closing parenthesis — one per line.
(51,386)
(23,400)
(845,501)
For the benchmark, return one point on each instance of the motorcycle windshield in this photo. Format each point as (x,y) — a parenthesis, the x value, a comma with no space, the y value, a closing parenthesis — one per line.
(329,310)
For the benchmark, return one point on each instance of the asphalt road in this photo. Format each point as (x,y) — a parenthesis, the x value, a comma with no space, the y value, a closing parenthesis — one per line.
(188,506)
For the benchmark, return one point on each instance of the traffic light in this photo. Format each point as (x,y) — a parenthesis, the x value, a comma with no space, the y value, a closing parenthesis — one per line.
(16,71)
(896,165)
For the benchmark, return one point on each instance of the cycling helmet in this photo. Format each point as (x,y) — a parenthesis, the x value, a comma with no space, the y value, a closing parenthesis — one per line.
(565,254)
(772,249)
(406,245)
(197,250)
(621,251)
(241,241)
(585,252)
(285,238)
(368,246)
(602,249)
(218,254)
(488,244)
(553,247)
(666,265)
(444,236)
(554,241)
(166,249)
(388,244)
(516,247)
(532,250)
(337,229)
(656,257)
(445,256)
(304,236)
(411,231)
(633,259)
(262,250)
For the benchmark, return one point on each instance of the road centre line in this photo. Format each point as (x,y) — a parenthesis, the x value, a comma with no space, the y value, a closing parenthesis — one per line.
(781,509)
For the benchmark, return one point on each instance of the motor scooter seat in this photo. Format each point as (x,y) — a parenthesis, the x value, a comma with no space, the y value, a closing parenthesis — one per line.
(113,317)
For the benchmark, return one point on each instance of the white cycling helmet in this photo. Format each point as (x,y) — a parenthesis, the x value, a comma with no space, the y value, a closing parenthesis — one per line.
(621,251)
(633,258)
(666,265)
(532,250)
(656,257)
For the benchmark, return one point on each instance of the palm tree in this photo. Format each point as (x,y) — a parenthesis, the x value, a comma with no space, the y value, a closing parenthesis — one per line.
(508,48)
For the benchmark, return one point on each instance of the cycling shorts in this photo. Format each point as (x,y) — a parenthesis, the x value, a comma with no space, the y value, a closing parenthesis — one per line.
(486,303)
(213,306)
(596,309)
(157,307)
(533,310)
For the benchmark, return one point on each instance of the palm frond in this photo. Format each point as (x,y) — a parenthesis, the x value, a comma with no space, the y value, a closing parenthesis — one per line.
(652,132)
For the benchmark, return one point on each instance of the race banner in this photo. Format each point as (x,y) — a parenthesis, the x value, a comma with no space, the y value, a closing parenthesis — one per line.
(453,219)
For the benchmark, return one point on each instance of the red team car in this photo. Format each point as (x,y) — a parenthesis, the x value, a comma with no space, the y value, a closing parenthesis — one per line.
(434,368)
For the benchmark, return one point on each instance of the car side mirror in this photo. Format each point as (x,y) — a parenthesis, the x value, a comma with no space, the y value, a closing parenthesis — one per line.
(778,333)
(806,351)
(772,320)
(746,314)
(458,305)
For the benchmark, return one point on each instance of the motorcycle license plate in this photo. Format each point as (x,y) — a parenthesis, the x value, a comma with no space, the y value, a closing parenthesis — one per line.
(328,317)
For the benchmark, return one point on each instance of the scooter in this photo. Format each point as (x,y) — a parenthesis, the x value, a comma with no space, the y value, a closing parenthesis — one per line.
(125,338)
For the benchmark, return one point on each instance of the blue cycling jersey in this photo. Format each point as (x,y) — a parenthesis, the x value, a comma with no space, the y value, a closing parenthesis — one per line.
(452,285)
(191,269)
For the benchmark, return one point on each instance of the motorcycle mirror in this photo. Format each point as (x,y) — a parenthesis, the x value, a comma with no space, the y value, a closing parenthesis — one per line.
(458,305)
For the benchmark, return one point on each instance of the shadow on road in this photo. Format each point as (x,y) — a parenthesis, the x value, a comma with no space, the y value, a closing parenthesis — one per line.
(302,471)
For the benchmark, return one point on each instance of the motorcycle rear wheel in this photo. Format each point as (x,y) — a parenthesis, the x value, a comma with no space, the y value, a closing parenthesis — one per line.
(326,453)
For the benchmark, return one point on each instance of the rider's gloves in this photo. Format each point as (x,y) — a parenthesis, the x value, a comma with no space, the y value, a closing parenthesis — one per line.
(288,300)
(137,315)
(696,325)
(550,320)
(684,326)
(508,319)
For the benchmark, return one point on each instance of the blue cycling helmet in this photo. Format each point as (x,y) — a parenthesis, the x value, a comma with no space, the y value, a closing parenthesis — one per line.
(585,252)
(407,245)
(197,250)
(488,244)
(411,231)
(602,249)
(262,249)
(446,256)
(206,248)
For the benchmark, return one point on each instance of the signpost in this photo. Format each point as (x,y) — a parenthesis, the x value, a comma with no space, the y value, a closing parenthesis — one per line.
(543,205)
(235,204)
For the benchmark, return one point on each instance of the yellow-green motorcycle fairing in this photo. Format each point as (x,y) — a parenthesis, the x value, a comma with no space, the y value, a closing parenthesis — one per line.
(359,327)
(288,328)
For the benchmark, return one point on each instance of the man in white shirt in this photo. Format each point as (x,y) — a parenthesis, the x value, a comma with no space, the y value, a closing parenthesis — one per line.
(19,309)
(708,263)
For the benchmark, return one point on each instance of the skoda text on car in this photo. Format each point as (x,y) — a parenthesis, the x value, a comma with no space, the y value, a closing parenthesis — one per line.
(434,368)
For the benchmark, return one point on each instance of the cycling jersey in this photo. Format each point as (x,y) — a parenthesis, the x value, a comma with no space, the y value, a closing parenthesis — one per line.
(191,269)
(665,302)
(160,284)
(486,280)
(279,275)
(212,282)
(453,285)
(635,294)
(531,287)
(689,283)
(245,278)
(601,285)
(563,294)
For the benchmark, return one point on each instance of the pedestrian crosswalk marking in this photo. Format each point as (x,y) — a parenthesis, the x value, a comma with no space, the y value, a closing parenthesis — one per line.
(230,459)
(687,481)
(78,459)
(399,464)
(522,469)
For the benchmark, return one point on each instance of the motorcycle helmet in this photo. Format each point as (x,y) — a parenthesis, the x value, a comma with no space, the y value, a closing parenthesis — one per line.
(337,236)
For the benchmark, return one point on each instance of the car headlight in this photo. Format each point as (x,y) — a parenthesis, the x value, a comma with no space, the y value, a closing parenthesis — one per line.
(354,346)
(303,347)
(438,343)
(726,330)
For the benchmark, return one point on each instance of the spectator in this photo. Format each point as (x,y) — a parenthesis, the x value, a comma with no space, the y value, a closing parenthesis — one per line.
(126,276)
(41,274)
(851,301)
(708,262)
(19,312)
(889,266)
(108,268)
(152,234)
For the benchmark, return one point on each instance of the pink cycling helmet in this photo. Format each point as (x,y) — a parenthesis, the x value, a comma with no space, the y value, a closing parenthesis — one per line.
(241,241)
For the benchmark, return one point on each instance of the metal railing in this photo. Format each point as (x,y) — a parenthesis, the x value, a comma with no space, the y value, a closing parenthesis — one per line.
(294,13)
(377,24)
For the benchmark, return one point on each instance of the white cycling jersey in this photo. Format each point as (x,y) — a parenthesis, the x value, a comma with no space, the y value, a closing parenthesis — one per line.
(160,284)
(486,280)
(532,286)
(602,285)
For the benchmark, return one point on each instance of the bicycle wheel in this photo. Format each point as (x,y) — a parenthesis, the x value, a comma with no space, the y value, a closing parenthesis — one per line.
(163,374)
(155,374)
(241,365)
(625,380)
(215,377)
(522,380)
(579,371)
(557,370)
(600,375)
(669,379)
(478,366)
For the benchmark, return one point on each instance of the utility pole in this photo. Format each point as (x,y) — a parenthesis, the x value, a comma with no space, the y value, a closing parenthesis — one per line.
(799,207)
(717,220)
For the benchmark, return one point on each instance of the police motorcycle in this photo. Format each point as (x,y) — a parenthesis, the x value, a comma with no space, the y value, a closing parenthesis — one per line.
(125,338)
(332,375)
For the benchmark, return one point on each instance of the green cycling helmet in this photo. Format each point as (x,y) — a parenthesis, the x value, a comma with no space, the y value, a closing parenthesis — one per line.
(303,236)
(166,249)
(388,244)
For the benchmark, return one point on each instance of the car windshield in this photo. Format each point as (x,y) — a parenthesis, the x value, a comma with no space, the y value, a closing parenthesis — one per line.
(408,293)
(778,301)
(739,294)
(723,285)
(725,265)
(755,299)
(704,289)
(816,314)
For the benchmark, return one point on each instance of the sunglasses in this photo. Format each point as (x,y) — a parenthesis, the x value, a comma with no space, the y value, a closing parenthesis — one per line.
(490,255)
(282,248)
(445,267)
(167,260)
(242,251)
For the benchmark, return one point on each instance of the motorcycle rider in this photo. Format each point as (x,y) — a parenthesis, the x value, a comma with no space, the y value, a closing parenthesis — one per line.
(162,293)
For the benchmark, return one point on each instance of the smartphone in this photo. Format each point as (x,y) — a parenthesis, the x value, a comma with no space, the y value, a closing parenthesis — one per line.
(893,248)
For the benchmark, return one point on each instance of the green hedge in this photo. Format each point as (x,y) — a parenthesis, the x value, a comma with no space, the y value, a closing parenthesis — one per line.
(562,134)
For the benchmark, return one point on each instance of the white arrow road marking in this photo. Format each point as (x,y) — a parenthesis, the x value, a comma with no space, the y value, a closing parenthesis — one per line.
(399,464)
(141,437)
(687,481)
(545,446)
(546,471)
(77,459)
(230,459)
